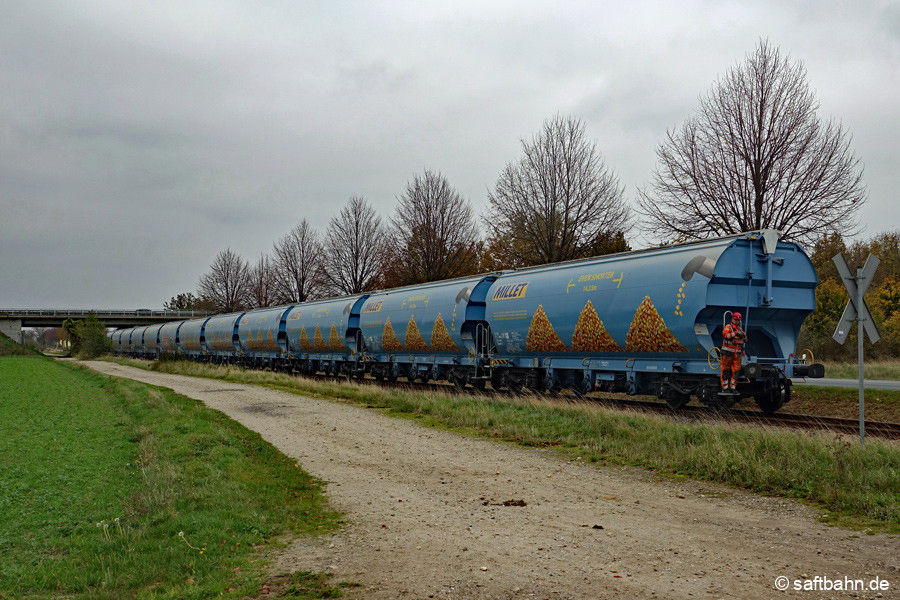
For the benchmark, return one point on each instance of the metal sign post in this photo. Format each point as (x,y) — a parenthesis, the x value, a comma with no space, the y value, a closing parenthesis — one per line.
(856,310)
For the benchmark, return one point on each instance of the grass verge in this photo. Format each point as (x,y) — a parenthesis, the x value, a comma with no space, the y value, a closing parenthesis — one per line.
(110,488)
(854,485)
(881,405)
(875,369)
(10,348)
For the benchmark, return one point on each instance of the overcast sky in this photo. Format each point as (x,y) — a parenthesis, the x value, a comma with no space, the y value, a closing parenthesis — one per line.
(138,139)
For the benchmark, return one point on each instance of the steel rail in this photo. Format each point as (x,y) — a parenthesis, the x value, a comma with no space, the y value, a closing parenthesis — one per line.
(885,430)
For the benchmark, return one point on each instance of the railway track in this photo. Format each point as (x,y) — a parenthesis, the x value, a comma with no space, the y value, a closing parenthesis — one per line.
(873,428)
(878,429)
(754,417)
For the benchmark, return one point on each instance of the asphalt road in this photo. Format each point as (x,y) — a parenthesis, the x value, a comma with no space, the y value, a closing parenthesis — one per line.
(870,384)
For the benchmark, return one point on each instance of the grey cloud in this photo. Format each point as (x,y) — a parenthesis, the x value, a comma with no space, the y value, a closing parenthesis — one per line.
(139,139)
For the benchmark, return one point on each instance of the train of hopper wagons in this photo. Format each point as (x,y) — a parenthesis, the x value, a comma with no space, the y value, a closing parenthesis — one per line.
(647,322)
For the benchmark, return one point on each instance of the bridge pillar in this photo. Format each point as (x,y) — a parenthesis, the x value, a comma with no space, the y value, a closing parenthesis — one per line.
(12,328)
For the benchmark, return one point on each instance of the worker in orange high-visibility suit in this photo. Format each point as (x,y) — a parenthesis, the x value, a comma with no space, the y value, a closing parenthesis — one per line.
(733,338)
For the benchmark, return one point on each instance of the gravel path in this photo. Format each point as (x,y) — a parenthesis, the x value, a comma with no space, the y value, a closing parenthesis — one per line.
(434,514)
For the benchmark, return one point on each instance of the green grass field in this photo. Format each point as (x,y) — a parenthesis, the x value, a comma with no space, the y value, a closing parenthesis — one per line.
(853,485)
(113,489)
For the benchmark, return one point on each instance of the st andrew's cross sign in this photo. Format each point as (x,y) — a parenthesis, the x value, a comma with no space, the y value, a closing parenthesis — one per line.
(856,310)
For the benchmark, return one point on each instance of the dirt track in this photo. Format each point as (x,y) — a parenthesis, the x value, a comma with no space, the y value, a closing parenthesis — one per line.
(430,515)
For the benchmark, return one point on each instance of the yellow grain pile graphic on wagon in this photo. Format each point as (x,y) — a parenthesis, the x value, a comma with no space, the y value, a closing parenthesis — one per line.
(304,340)
(270,341)
(541,336)
(440,337)
(648,332)
(259,340)
(318,340)
(389,339)
(414,339)
(334,340)
(590,333)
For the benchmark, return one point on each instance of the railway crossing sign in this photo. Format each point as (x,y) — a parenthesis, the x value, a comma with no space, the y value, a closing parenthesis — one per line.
(856,310)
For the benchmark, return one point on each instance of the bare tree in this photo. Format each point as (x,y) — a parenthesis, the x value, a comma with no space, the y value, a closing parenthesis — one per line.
(298,263)
(262,290)
(559,201)
(354,249)
(227,282)
(754,156)
(40,335)
(433,232)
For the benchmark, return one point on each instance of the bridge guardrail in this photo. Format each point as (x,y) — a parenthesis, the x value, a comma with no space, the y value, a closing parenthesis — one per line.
(52,312)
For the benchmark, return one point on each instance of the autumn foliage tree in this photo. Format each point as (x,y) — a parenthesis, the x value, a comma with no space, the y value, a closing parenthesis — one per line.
(755,155)
(883,297)
(188,301)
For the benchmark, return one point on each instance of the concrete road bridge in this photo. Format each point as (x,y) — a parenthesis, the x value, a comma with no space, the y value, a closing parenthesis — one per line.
(12,320)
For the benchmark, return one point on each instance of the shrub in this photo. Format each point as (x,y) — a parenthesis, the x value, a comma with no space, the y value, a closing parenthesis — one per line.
(88,337)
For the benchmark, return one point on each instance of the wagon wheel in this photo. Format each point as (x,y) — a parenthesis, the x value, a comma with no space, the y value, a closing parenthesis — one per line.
(552,392)
(535,385)
(676,400)
(773,398)
(582,386)
(458,380)
(498,380)
(724,401)
(392,374)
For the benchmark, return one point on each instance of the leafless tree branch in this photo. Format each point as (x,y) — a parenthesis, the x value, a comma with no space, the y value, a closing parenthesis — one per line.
(433,232)
(559,201)
(297,261)
(755,156)
(354,249)
(262,290)
(227,282)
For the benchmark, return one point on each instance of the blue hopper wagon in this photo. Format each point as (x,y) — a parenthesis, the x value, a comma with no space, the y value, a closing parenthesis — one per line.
(647,322)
